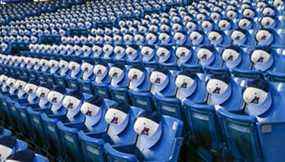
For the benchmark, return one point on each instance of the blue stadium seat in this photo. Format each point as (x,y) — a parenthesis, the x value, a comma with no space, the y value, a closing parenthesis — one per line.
(10,145)
(35,112)
(154,134)
(139,87)
(190,89)
(119,83)
(26,156)
(49,120)
(87,78)
(69,128)
(149,57)
(95,127)
(166,57)
(205,127)
(254,134)
(164,92)
(60,77)
(74,73)
(211,60)
(19,110)
(119,131)
(102,80)
(133,55)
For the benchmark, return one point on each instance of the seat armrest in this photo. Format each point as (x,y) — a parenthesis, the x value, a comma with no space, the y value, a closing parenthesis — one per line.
(110,151)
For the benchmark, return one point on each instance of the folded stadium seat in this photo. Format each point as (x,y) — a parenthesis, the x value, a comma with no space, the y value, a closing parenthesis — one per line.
(248,24)
(211,60)
(108,53)
(272,22)
(279,6)
(97,50)
(254,135)
(165,38)
(139,37)
(102,80)
(236,60)
(139,87)
(95,126)
(21,71)
(26,156)
(120,122)
(8,100)
(120,56)
(219,39)
(86,79)
(159,138)
(118,35)
(119,83)
(227,25)
(34,72)
(180,36)
(77,54)
(207,25)
(166,58)
(60,76)
(190,89)
(69,128)
(197,37)
(187,59)
(87,54)
(149,58)
(249,11)
(49,120)
(151,37)
(129,37)
(34,113)
(164,91)
(19,110)
(269,62)
(29,63)
(242,37)
(67,55)
(62,52)
(4,100)
(239,64)
(205,127)
(133,55)
(270,37)
(53,69)
(43,73)
(73,74)
(10,145)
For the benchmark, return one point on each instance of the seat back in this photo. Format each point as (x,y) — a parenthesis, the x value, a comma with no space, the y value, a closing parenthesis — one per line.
(242,135)
(205,125)
(171,138)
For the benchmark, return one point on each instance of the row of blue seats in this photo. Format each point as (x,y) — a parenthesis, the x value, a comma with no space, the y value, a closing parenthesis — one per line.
(30,31)
(266,61)
(13,12)
(13,149)
(224,115)
(92,128)
(81,17)
(212,107)
(219,31)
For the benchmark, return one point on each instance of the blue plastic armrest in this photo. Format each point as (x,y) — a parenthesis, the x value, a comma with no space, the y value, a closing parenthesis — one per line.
(60,117)
(176,149)
(77,125)
(114,153)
